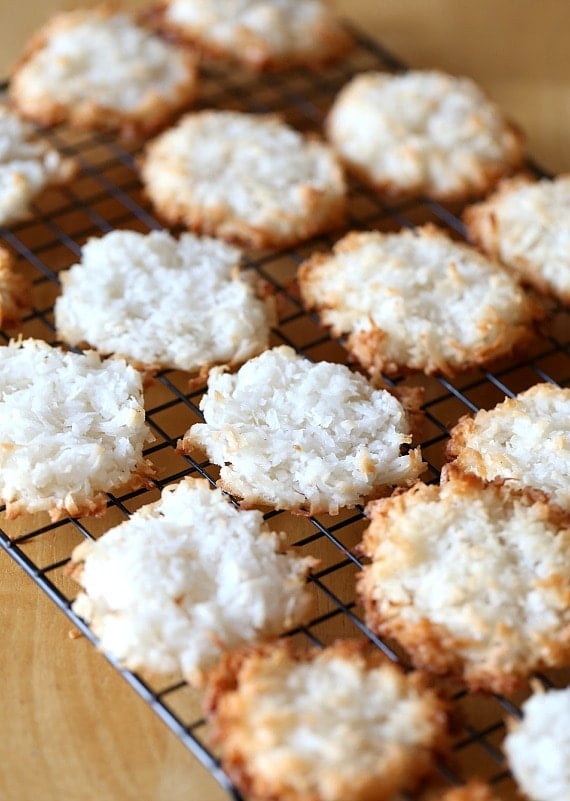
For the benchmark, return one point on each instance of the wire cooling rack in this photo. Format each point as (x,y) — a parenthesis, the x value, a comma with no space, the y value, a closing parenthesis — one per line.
(107,195)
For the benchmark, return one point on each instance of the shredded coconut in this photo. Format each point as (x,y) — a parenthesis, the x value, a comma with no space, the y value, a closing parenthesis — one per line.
(524,441)
(163,303)
(95,67)
(71,428)
(416,300)
(325,725)
(186,578)
(27,165)
(423,132)
(244,177)
(527,226)
(471,580)
(302,436)
(538,748)
(260,32)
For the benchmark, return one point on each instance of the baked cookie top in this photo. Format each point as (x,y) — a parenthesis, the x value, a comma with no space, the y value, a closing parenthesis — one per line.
(524,442)
(308,437)
(322,725)
(159,302)
(471,580)
(244,177)
(538,746)
(416,300)
(186,578)
(96,68)
(72,428)
(27,165)
(423,133)
(15,290)
(526,225)
(259,33)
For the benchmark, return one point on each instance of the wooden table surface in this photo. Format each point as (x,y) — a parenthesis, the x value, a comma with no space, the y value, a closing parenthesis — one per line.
(70,729)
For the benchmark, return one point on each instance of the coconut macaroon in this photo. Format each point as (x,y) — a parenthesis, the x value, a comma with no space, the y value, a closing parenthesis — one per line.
(71,429)
(422,133)
(538,747)
(526,225)
(524,442)
(307,437)
(472,581)
(244,177)
(259,33)
(27,166)
(322,725)
(416,300)
(96,68)
(15,290)
(186,578)
(162,303)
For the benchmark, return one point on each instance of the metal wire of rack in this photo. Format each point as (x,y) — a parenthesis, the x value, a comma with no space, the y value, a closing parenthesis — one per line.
(106,195)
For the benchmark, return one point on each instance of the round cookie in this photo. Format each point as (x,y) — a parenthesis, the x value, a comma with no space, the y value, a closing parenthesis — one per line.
(301,436)
(538,746)
(416,300)
(472,581)
(524,442)
(322,725)
(245,178)
(259,33)
(526,225)
(72,428)
(423,133)
(163,303)
(27,166)
(186,578)
(96,68)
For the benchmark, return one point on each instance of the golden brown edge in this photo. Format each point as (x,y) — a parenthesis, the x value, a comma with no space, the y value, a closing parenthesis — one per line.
(431,646)
(255,56)
(480,220)
(224,681)
(153,113)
